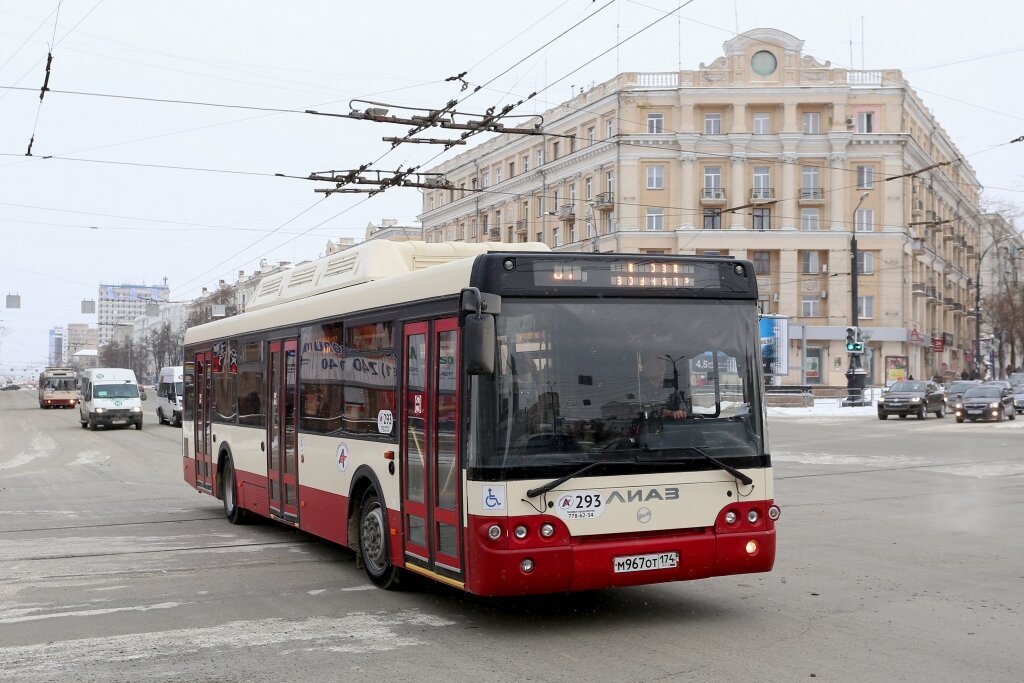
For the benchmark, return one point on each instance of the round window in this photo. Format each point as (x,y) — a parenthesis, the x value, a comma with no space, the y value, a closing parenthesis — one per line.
(763,63)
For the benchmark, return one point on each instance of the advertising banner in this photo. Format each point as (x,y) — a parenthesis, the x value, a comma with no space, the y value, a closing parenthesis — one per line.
(774,333)
(896,368)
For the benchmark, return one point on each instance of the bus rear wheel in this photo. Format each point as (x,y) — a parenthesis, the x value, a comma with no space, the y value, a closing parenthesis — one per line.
(234,513)
(373,542)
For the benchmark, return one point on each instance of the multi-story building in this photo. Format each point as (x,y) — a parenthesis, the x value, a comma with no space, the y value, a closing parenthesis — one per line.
(765,154)
(120,304)
(55,347)
(79,336)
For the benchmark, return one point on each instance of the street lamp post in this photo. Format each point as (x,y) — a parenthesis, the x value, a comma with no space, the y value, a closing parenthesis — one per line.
(855,373)
(977,307)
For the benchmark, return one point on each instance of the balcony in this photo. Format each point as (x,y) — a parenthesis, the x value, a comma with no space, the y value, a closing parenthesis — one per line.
(567,212)
(947,233)
(931,292)
(918,289)
(521,226)
(947,302)
(917,246)
(812,195)
(958,308)
(970,251)
(605,201)
(494,234)
(760,195)
(712,196)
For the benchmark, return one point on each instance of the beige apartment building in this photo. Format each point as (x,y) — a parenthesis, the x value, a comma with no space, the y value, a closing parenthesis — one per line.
(764,154)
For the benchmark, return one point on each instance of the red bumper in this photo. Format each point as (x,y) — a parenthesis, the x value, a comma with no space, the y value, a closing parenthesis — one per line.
(563,563)
(66,402)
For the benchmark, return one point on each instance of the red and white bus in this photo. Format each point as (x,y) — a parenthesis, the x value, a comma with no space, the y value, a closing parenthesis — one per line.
(58,387)
(497,417)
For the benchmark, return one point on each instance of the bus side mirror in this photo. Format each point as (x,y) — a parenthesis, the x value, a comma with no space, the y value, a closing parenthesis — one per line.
(478,330)
(478,343)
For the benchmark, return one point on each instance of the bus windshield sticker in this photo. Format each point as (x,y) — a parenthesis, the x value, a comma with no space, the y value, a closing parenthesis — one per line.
(385,422)
(580,505)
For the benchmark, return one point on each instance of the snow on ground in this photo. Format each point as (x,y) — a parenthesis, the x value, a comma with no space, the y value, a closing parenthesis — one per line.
(829,407)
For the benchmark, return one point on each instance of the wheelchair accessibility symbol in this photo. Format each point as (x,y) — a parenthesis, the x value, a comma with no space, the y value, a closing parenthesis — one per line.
(494,497)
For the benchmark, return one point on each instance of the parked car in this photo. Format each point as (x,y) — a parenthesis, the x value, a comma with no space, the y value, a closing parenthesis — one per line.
(955,391)
(1018,399)
(912,397)
(10,387)
(985,402)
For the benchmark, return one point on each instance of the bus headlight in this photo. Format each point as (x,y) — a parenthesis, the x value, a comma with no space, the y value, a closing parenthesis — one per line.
(100,410)
(774,512)
(136,409)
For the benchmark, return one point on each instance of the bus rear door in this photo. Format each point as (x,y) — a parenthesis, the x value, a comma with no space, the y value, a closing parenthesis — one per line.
(431,482)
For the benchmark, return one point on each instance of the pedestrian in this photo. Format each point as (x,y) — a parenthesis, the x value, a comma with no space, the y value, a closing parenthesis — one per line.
(964,375)
(910,377)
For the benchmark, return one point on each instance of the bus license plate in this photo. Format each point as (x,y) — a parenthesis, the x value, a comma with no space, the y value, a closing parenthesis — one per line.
(644,563)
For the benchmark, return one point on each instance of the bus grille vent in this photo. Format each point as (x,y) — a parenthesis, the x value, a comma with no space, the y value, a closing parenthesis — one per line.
(340,266)
(302,277)
(268,289)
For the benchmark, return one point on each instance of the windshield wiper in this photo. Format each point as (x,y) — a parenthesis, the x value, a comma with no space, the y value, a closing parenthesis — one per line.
(544,488)
(739,476)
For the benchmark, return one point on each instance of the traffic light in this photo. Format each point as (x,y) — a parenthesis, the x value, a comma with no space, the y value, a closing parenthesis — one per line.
(853,342)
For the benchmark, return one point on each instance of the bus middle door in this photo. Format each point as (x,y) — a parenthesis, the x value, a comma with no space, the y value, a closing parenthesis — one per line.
(282,431)
(203,428)
(431,481)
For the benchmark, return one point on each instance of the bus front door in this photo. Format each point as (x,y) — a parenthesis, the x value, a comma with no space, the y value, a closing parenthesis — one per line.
(203,440)
(282,432)
(432,481)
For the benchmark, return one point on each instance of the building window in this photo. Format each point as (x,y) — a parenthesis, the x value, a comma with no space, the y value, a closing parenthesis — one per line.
(762,219)
(865,122)
(540,236)
(554,200)
(609,128)
(712,124)
(655,219)
(540,157)
(556,237)
(572,232)
(810,262)
(572,193)
(865,220)
(810,220)
(762,124)
(554,151)
(588,185)
(609,181)
(474,183)
(609,223)
(655,123)
(712,219)
(572,140)
(865,177)
(431,202)
(809,306)
(526,163)
(812,123)
(810,178)
(866,307)
(655,177)
(865,263)
(762,262)
(511,169)
(591,135)
(526,211)
(762,183)
(497,174)
(712,179)
(485,179)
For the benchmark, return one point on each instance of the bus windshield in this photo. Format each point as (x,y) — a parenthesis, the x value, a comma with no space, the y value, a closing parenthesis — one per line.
(587,379)
(115,391)
(59,384)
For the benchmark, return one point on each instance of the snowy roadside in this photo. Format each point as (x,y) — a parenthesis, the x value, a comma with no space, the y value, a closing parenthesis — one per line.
(830,407)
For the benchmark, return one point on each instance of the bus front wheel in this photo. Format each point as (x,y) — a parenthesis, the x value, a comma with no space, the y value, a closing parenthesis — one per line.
(373,542)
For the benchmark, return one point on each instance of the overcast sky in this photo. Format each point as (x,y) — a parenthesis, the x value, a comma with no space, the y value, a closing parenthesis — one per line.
(69,225)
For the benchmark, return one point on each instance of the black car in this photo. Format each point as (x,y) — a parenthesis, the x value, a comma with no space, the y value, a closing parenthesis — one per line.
(912,397)
(10,387)
(955,391)
(985,402)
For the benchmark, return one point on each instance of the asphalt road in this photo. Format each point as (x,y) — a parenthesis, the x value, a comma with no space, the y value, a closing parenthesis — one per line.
(901,557)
